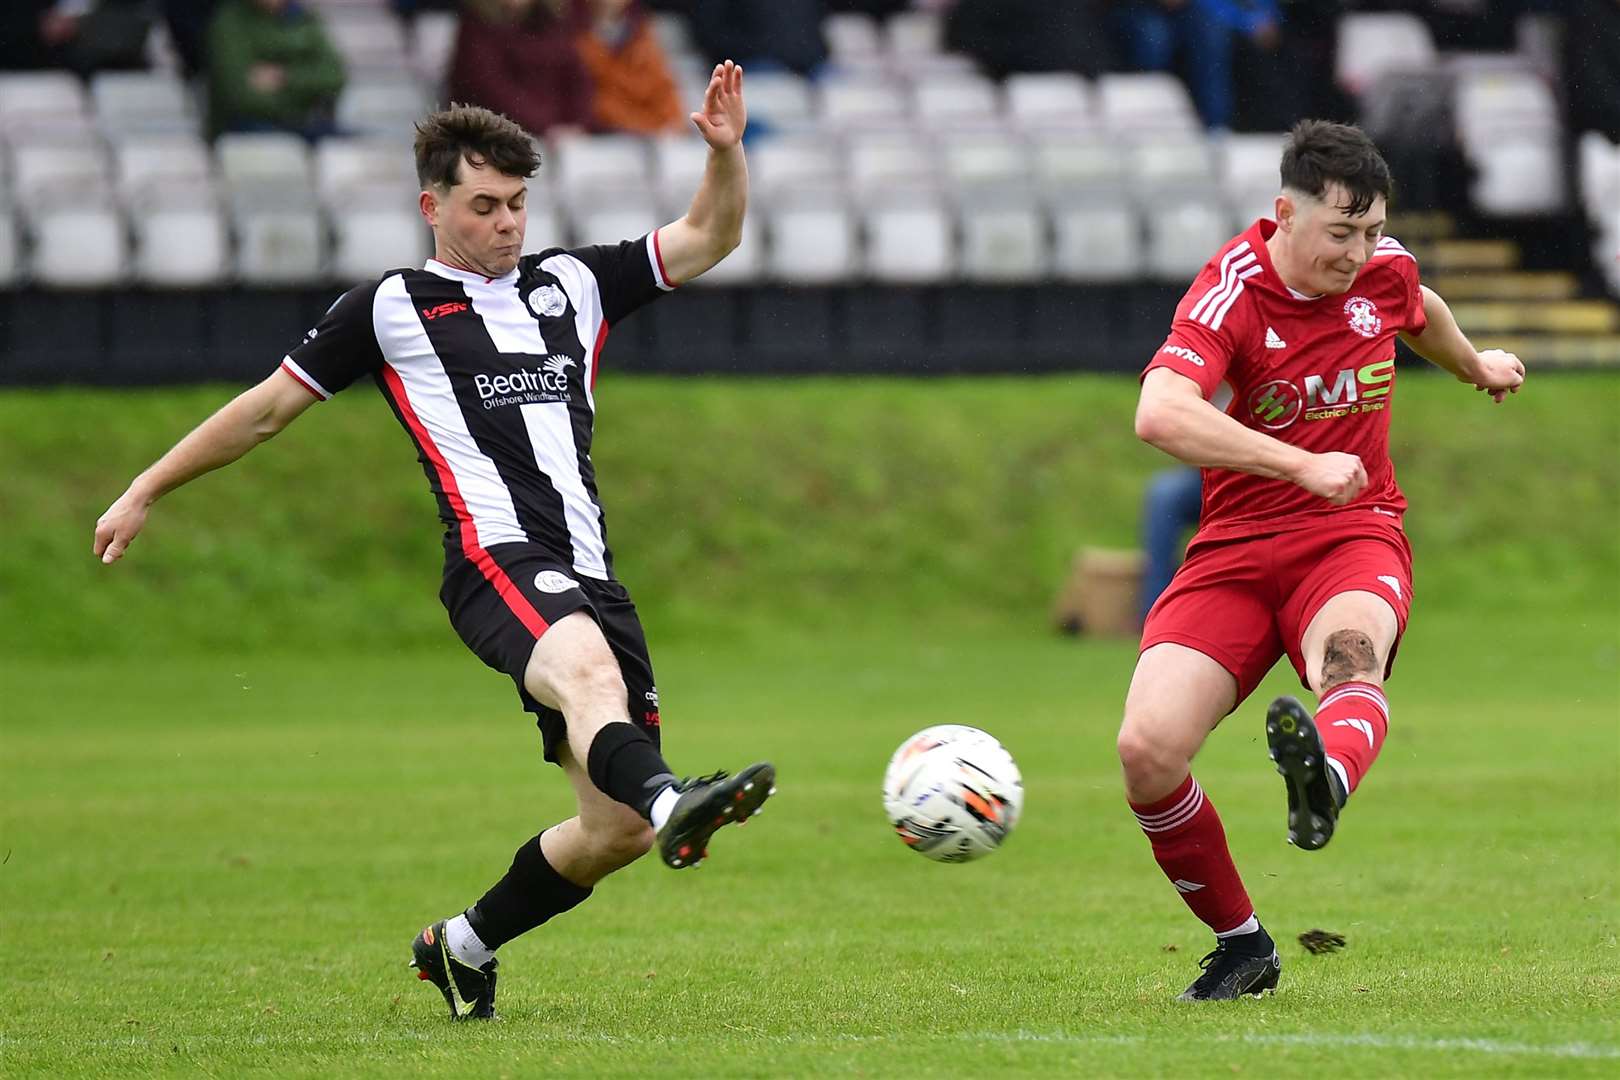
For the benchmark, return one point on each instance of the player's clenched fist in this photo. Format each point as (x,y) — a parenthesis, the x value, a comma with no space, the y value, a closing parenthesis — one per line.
(1498,373)
(1336,477)
(118,526)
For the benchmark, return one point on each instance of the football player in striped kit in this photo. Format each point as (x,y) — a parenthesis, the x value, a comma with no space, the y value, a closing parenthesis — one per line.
(1300,550)
(489,358)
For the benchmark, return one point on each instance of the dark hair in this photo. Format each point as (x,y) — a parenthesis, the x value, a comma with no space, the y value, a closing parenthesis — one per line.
(1320,153)
(444,137)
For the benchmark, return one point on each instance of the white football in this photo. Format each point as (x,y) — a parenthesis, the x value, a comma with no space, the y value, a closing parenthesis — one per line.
(952,793)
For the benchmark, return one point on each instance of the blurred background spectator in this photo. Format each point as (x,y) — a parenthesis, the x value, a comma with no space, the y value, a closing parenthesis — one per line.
(1005,36)
(519,57)
(1197,39)
(83,35)
(632,88)
(271,67)
(761,36)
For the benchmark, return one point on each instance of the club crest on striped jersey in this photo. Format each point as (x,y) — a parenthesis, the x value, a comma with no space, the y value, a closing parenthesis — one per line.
(548,301)
(554,581)
(1363,316)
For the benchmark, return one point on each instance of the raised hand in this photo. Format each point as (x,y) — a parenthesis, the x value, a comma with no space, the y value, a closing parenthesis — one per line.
(723,116)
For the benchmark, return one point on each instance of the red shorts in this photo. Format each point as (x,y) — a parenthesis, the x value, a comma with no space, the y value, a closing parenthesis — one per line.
(1245,602)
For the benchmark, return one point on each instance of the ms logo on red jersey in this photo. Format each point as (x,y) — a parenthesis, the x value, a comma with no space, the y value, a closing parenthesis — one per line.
(1348,391)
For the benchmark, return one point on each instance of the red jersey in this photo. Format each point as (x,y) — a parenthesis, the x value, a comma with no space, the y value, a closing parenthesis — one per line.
(1317,373)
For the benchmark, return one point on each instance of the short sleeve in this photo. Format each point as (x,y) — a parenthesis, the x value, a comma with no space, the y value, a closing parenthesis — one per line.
(628,274)
(1194,348)
(1415,321)
(341,348)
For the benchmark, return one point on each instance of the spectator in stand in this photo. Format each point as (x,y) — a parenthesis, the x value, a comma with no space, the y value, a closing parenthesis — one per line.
(188,27)
(1005,36)
(634,90)
(84,35)
(271,67)
(1153,32)
(761,34)
(518,58)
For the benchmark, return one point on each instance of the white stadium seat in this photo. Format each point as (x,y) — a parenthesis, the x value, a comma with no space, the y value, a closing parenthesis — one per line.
(984,159)
(1173,162)
(1096,241)
(158,160)
(56,171)
(670,29)
(369,39)
(270,159)
(10,253)
(372,238)
(39,99)
(378,106)
(132,102)
(79,247)
(915,33)
(812,243)
(345,164)
(1599,171)
(1251,174)
(861,101)
(1520,173)
(1049,99)
(1067,164)
(1146,101)
(851,36)
(180,246)
(1182,232)
(433,43)
(582,164)
(1372,44)
(609,224)
(941,103)
(279,245)
(909,241)
(545,228)
(782,162)
(678,165)
(1003,243)
(781,100)
(878,162)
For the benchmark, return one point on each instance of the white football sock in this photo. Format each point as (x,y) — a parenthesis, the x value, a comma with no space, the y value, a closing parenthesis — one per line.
(663,803)
(1248,926)
(464,944)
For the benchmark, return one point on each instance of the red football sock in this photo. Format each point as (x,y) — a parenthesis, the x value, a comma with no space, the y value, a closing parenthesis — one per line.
(1190,845)
(1352,719)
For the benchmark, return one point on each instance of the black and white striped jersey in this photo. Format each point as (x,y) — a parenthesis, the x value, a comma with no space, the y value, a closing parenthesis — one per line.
(493,379)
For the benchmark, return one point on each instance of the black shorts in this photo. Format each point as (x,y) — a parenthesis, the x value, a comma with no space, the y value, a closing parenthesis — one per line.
(502,603)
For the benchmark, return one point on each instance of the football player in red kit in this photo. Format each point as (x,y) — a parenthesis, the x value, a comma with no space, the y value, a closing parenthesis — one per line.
(1300,550)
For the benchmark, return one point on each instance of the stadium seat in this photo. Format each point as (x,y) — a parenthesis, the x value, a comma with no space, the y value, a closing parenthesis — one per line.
(270,158)
(673,36)
(180,246)
(909,239)
(1372,43)
(546,227)
(678,165)
(1520,172)
(345,163)
(879,161)
(1052,99)
(60,170)
(379,106)
(977,160)
(1599,171)
(78,247)
(581,164)
(610,224)
(1171,162)
(278,245)
(369,39)
(371,238)
(915,33)
(1129,104)
(140,102)
(1250,174)
(812,242)
(860,101)
(1183,232)
(941,103)
(780,100)
(433,43)
(10,254)
(1003,242)
(1095,241)
(1070,163)
(41,99)
(851,35)
(157,160)
(795,161)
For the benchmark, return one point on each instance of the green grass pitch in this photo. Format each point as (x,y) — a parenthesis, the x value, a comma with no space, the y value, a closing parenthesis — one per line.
(214,866)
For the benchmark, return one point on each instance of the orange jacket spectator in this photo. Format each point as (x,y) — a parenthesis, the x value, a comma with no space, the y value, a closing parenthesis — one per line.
(634,90)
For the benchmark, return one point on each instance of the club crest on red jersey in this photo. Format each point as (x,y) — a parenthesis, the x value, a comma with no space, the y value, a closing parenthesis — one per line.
(1363,315)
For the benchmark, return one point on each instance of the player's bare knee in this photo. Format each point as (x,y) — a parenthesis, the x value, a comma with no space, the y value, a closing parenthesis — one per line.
(1349,656)
(1147,762)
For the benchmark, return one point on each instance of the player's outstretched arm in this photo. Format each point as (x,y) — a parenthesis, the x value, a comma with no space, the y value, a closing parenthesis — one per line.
(1171,414)
(1444,345)
(712,227)
(248,420)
